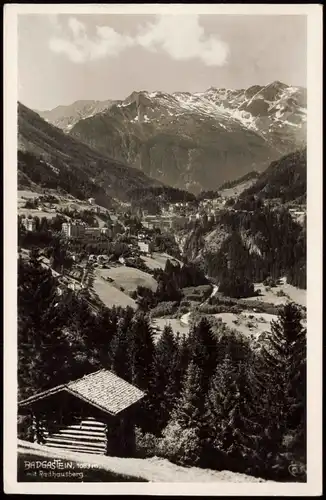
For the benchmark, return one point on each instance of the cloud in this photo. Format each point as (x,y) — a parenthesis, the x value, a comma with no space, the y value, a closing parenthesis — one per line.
(81,48)
(180,37)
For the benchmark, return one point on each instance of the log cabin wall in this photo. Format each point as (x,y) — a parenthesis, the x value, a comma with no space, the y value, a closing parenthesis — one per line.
(85,432)
(85,435)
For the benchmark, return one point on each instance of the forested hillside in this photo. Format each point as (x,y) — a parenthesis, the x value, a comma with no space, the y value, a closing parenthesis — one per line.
(248,243)
(50,158)
(285,179)
(212,400)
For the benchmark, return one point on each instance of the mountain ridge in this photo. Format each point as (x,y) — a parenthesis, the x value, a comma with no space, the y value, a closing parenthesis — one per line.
(48,156)
(198,140)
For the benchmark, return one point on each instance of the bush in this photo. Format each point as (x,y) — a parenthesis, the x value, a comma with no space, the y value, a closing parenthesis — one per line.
(164,309)
(25,430)
(198,293)
(179,445)
(185,303)
(194,297)
(31,204)
(183,309)
(269,282)
(207,309)
(146,444)
(280,293)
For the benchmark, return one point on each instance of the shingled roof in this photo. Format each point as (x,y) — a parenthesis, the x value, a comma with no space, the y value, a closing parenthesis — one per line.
(102,389)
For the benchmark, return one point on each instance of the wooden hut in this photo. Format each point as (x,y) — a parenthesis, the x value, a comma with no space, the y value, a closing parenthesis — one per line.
(94,414)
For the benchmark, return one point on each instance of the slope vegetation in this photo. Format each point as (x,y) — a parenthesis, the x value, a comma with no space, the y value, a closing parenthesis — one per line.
(285,179)
(151,469)
(52,159)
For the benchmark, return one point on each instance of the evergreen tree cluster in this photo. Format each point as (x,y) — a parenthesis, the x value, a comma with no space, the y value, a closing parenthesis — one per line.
(208,195)
(261,242)
(164,193)
(285,179)
(35,169)
(247,177)
(211,399)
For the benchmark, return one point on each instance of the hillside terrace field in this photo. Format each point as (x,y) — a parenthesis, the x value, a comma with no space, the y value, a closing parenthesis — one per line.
(236,190)
(158,325)
(297,295)
(128,278)
(110,295)
(247,323)
(63,202)
(158,260)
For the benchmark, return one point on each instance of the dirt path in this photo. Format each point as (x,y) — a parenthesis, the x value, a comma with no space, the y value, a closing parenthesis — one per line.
(153,469)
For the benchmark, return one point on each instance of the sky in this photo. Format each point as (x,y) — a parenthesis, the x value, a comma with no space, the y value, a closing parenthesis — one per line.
(65,58)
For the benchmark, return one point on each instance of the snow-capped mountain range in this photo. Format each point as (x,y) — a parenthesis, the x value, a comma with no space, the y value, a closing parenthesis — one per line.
(65,117)
(196,140)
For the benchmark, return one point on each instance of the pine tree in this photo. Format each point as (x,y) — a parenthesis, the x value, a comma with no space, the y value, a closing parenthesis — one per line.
(143,371)
(165,367)
(120,351)
(187,427)
(203,350)
(182,356)
(42,349)
(142,352)
(102,336)
(284,360)
(236,430)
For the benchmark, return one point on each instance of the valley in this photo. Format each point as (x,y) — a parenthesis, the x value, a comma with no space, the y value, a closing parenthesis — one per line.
(128,247)
(173,256)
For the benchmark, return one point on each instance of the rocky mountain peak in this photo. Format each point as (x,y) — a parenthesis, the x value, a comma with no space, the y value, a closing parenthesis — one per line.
(194,140)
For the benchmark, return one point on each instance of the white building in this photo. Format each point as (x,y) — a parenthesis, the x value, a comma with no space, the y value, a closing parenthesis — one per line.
(93,232)
(29,224)
(107,231)
(144,247)
(73,229)
(91,201)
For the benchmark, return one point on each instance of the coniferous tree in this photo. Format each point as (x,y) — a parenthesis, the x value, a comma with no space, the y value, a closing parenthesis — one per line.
(186,433)
(237,431)
(102,336)
(120,351)
(42,349)
(180,367)
(166,353)
(192,401)
(284,358)
(142,349)
(203,350)
(143,374)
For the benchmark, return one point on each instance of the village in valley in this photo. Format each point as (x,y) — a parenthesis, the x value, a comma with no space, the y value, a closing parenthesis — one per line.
(161,250)
(109,253)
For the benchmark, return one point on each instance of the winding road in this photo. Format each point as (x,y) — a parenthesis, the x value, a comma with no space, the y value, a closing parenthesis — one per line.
(184,320)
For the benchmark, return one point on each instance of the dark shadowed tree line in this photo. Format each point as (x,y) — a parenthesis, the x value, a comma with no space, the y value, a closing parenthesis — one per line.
(261,242)
(211,399)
